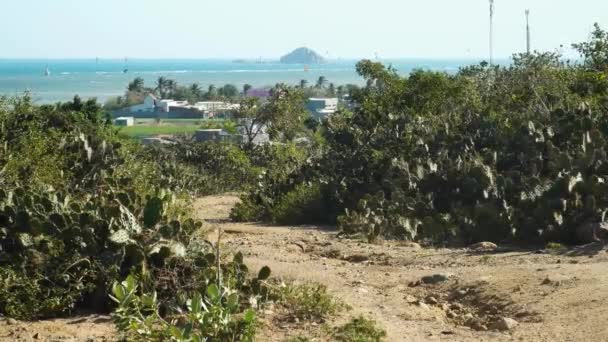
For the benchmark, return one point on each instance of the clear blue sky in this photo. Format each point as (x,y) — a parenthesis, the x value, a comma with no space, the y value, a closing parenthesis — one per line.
(270,28)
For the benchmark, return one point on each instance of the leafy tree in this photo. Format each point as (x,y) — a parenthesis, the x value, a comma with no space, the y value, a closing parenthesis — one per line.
(229,91)
(595,51)
(303,83)
(282,115)
(246,88)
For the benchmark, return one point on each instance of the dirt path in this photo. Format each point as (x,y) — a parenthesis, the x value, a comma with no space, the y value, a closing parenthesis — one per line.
(557,296)
(553,296)
(91,328)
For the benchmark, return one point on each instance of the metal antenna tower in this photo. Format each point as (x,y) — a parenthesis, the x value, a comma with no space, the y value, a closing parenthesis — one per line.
(491,32)
(528,31)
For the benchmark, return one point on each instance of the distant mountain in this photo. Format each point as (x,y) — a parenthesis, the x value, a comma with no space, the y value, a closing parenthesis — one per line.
(302,56)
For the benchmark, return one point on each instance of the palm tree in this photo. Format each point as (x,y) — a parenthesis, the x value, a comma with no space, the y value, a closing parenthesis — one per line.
(321,82)
(331,90)
(196,91)
(303,83)
(246,88)
(137,85)
(211,93)
(171,86)
(340,91)
(161,86)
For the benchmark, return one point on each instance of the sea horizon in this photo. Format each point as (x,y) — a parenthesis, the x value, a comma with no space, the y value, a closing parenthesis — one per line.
(106,78)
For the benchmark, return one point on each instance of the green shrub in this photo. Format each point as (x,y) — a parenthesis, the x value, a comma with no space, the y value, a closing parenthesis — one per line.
(247,211)
(309,301)
(304,204)
(359,329)
(281,168)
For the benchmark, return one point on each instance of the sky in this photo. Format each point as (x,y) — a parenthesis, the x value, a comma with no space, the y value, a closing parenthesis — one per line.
(271,28)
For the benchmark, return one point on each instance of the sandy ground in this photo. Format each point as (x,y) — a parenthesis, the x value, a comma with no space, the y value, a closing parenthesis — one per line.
(553,295)
(83,328)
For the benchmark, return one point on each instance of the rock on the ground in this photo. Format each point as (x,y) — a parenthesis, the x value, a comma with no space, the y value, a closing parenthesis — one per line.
(411,299)
(431,300)
(483,247)
(476,324)
(435,278)
(504,324)
(423,306)
(456,306)
(555,280)
(11,321)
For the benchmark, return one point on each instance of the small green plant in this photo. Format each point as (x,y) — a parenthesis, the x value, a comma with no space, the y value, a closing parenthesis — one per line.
(309,301)
(210,316)
(555,245)
(359,329)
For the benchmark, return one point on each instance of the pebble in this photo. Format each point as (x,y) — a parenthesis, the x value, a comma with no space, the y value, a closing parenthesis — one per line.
(415,283)
(555,280)
(423,306)
(411,299)
(504,324)
(476,324)
(431,300)
(456,306)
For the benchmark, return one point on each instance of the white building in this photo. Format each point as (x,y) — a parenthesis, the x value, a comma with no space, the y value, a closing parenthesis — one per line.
(149,105)
(166,105)
(214,106)
(125,121)
(322,107)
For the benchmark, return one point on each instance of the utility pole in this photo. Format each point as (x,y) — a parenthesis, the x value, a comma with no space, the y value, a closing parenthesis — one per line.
(528,31)
(491,32)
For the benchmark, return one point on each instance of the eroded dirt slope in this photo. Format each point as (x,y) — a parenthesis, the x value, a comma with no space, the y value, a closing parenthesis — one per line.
(554,296)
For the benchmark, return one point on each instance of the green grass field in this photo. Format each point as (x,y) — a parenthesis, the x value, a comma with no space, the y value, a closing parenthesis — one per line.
(149,127)
(142,131)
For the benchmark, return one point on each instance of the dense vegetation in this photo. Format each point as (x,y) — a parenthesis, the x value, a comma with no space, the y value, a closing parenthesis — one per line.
(90,219)
(81,209)
(490,153)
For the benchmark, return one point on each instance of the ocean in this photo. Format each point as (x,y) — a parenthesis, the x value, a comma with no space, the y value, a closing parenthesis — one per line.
(105,78)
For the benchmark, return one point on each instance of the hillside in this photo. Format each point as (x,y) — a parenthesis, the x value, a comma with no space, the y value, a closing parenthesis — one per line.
(302,55)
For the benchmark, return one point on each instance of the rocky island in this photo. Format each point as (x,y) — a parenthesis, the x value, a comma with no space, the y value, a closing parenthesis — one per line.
(302,55)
